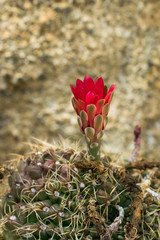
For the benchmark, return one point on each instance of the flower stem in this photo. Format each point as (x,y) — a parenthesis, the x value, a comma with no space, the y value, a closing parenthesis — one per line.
(94,150)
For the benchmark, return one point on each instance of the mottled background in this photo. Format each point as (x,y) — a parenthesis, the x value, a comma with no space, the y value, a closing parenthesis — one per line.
(46,45)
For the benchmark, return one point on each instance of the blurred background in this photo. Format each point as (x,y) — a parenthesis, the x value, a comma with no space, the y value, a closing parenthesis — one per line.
(46,45)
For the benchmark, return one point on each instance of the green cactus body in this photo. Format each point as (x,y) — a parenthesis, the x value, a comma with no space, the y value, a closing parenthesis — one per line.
(64,195)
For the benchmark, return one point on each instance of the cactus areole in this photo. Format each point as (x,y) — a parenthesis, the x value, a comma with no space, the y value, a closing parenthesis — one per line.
(91,102)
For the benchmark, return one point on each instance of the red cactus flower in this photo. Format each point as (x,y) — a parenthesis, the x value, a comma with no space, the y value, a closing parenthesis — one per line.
(91,102)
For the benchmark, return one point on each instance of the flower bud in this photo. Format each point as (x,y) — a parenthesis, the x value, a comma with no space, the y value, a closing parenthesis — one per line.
(91,102)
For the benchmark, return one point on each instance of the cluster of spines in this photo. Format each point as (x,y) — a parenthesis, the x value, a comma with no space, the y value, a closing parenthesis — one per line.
(58,199)
(51,198)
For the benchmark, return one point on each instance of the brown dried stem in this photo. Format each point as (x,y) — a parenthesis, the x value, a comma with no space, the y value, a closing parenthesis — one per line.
(142,165)
(115,225)
(137,144)
(131,227)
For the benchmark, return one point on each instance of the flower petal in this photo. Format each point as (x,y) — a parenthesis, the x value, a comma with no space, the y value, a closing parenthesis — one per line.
(73,89)
(105,91)
(99,87)
(108,97)
(99,105)
(90,98)
(112,88)
(82,104)
(88,84)
(80,89)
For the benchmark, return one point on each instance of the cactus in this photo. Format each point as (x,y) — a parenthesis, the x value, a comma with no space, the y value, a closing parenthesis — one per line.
(58,193)
(62,194)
